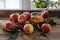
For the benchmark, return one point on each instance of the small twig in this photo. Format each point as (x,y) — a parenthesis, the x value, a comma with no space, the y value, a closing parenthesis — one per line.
(38,26)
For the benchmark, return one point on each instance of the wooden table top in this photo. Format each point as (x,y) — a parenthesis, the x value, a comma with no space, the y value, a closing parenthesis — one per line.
(53,35)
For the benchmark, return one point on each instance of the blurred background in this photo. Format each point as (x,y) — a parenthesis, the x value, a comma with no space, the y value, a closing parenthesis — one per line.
(29,4)
(9,6)
(45,4)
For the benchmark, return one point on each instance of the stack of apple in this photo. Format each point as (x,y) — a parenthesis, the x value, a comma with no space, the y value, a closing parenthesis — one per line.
(22,19)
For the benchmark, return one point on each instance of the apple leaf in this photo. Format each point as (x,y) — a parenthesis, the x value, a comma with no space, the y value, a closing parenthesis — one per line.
(13,35)
(20,13)
(34,24)
(52,22)
(43,34)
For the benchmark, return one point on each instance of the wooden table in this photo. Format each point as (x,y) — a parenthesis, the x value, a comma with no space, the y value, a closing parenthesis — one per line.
(53,35)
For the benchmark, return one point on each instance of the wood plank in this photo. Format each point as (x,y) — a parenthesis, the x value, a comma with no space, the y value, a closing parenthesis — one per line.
(53,35)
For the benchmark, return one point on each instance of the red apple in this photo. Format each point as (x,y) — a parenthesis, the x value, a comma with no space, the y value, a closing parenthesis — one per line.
(21,19)
(9,26)
(27,14)
(46,27)
(10,17)
(14,17)
(28,29)
(45,14)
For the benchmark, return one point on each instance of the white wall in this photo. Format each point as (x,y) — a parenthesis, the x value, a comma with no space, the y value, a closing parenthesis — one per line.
(13,4)
(26,4)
